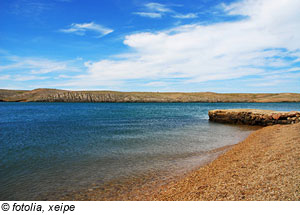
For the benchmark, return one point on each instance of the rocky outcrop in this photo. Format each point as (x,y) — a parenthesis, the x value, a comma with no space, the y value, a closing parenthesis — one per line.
(254,117)
(54,95)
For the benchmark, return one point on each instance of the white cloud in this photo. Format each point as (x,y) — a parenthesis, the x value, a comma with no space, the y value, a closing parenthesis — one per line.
(264,83)
(157,10)
(294,69)
(81,29)
(185,16)
(275,79)
(29,68)
(4,77)
(198,53)
(64,0)
(28,77)
(156,84)
(157,7)
(30,8)
(149,14)
(154,10)
(37,65)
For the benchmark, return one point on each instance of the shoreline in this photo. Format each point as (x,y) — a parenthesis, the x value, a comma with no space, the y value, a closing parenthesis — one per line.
(264,166)
(128,188)
(140,187)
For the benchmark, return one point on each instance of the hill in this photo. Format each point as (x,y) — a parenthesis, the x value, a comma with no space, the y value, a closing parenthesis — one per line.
(54,95)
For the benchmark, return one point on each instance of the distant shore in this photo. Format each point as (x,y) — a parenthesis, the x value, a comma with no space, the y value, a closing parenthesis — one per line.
(55,95)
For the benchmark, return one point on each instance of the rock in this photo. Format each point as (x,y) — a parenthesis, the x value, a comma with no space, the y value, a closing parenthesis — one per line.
(254,117)
(276,116)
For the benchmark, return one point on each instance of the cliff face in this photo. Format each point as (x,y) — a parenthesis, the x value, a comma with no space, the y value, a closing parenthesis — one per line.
(254,117)
(53,95)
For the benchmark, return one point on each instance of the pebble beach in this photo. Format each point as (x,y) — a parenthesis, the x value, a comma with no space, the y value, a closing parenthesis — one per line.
(265,166)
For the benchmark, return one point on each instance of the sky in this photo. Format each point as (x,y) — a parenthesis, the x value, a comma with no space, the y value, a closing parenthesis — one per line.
(238,46)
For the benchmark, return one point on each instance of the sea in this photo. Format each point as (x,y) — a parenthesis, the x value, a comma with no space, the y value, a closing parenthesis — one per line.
(51,149)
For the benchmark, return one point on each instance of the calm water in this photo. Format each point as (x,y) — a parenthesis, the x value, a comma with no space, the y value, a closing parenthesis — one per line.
(54,147)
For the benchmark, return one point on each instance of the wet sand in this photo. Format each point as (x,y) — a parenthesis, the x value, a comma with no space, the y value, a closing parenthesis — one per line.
(265,166)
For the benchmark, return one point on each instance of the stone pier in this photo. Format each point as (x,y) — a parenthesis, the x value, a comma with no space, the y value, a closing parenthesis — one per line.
(254,117)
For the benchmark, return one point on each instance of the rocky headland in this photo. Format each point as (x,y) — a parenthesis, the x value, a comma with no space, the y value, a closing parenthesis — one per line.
(254,117)
(54,95)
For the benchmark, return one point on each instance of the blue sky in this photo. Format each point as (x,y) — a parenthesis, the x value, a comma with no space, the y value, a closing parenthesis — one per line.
(131,45)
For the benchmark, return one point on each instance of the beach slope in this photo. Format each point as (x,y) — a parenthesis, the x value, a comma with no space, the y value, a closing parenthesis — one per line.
(265,166)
